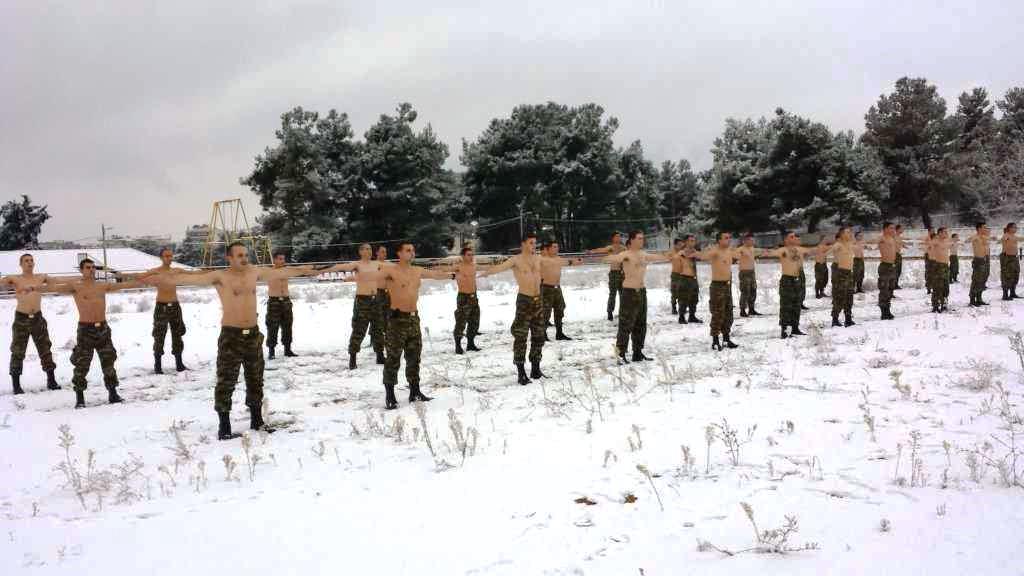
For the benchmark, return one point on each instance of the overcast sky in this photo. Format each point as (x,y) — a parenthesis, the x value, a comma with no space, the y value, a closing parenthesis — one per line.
(141,114)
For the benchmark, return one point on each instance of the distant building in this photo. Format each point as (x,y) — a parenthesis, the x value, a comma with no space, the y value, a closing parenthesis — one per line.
(65,262)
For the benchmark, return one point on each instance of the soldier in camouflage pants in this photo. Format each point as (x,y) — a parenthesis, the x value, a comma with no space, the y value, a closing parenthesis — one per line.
(720,306)
(675,289)
(803,287)
(886,285)
(615,278)
(954,268)
(820,279)
(748,291)
(93,337)
(689,295)
(551,300)
(898,271)
(789,303)
(239,348)
(279,315)
(842,296)
(632,322)
(858,275)
(168,314)
(940,286)
(366,315)
(403,337)
(528,322)
(1009,275)
(384,301)
(979,276)
(467,316)
(34,326)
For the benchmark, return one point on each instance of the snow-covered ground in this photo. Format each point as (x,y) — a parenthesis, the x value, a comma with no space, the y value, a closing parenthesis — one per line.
(346,488)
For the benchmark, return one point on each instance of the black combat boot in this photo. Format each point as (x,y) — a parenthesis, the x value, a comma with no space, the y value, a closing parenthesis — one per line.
(158,363)
(784,335)
(535,372)
(682,318)
(797,331)
(638,356)
(351,361)
(1006,294)
(270,352)
(610,318)
(112,396)
(728,342)
(471,344)
(835,320)
(753,312)
(51,381)
(256,419)
(224,428)
(16,382)
(674,311)
(743,313)
(415,395)
(521,370)
(715,344)
(458,345)
(848,321)
(178,364)
(390,402)
(693,318)
(887,313)
(288,351)
(559,335)
(79,399)
(380,357)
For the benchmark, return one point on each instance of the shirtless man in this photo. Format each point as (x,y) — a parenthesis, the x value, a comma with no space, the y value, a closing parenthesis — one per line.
(954,258)
(929,268)
(366,312)
(748,277)
(551,299)
(615,274)
(858,263)
(980,263)
(1009,262)
(633,308)
(842,277)
(821,267)
(240,344)
(887,247)
(721,257)
(467,305)
(167,312)
(791,259)
(938,255)
(404,336)
(689,289)
(383,298)
(93,331)
(528,321)
(899,255)
(28,321)
(676,277)
(279,310)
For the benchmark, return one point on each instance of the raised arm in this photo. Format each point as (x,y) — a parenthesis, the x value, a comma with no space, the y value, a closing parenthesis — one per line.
(343,267)
(131,284)
(615,258)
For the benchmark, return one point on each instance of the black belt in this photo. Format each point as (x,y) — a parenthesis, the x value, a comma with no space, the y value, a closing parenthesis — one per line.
(29,316)
(396,313)
(636,289)
(549,286)
(93,324)
(721,282)
(281,298)
(242,331)
(521,295)
(469,294)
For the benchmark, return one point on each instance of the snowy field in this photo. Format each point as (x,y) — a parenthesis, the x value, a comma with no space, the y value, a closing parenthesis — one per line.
(882,442)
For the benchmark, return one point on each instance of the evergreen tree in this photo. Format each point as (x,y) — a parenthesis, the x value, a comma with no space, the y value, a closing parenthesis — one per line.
(1012,109)
(20,224)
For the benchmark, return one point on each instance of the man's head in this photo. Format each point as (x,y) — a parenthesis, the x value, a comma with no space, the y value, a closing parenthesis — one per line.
(888,229)
(844,234)
(791,239)
(943,233)
(981,228)
(166,256)
(678,244)
(955,236)
(237,255)
(636,240)
(899,228)
(406,252)
(616,238)
(27,262)
(467,253)
(529,243)
(365,251)
(1011,228)
(724,239)
(858,236)
(280,258)
(87,267)
(553,248)
(748,239)
(382,252)
(691,240)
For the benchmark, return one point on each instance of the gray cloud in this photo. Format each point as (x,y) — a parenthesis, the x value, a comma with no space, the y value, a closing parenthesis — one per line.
(140,114)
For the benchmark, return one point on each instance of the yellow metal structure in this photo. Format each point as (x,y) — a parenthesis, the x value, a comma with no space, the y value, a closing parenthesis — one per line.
(228,224)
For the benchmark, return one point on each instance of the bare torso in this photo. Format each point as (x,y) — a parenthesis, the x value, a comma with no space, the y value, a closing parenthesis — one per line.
(791,259)
(616,249)
(938,250)
(746,254)
(366,282)
(237,291)
(887,249)
(821,254)
(688,266)
(858,249)
(721,263)
(527,272)
(980,247)
(28,291)
(634,267)
(91,300)
(551,270)
(166,285)
(278,288)
(465,277)
(678,262)
(1009,245)
(403,284)
(843,254)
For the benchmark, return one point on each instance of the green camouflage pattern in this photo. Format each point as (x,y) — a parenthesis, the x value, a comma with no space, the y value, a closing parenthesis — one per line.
(842,293)
(802,280)
(366,316)
(720,307)
(93,338)
(675,288)
(1009,271)
(899,269)
(886,283)
(979,276)
(940,284)
(23,328)
(858,274)
(632,320)
(689,295)
(954,268)
(384,302)
(168,315)
(789,301)
(528,323)
(279,316)
(552,301)
(615,279)
(748,290)
(467,315)
(404,337)
(238,349)
(820,277)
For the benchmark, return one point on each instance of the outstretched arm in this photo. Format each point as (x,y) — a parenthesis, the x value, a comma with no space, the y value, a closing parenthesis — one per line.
(605,250)
(615,258)
(498,268)
(439,273)
(649,257)
(286,272)
(131,284)
(203,278)
(343,267)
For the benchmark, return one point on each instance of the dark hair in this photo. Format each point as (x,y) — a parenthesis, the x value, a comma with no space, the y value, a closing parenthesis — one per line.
(1010,225)
(529,234)
(616,233)
(899,226)
(719,236)
(231,247)
(280,253)
(23,256)
(688,236)
(678,240)
(940,230)
(367,244)
(633,234)
(858,233)
(978,225)
(466,248)
(886,224)
(381,247)
(404,244)
(166,249)
(85,261)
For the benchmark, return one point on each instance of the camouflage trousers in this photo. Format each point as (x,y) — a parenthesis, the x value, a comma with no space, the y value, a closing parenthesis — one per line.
(929,275)
(279,316)
(34,326)
(886,283)
(979,276)
(404,337)
(366,316)
(789,301)
(748,290)
(675,287)
(842,293)
(1009,271)
(689,295)
(899,269)
(93,337)
(238,348)
(858,274)
(940,284)
(802,281)
(954,268)
(552,301)
(467,315)
(820,278)
(615,278)
(720,306)
(528,323)
(632,320)
(384,301)
(168,314)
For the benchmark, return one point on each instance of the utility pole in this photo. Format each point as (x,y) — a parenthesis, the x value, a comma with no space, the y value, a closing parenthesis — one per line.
(103,237)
